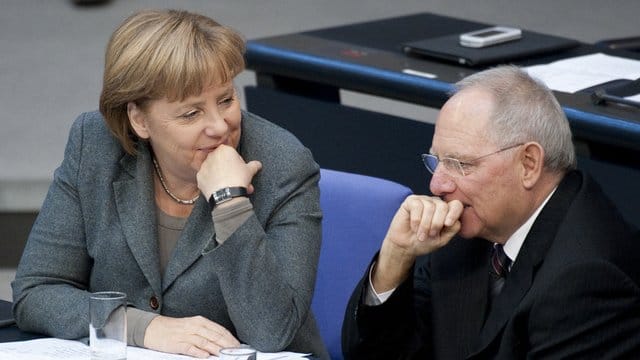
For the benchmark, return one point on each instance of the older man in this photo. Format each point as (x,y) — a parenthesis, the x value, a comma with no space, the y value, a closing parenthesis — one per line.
(518,255)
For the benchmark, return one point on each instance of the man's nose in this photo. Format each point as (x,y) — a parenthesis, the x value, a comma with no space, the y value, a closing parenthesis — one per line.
(441,182)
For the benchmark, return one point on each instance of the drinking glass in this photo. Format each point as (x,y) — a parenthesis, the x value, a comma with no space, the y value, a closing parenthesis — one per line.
(108,327)
(238,353)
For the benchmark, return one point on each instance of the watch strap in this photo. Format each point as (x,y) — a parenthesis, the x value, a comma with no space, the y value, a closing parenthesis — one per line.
(225,194)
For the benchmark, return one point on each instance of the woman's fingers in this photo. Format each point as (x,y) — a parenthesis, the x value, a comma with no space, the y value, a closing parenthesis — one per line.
(194,336)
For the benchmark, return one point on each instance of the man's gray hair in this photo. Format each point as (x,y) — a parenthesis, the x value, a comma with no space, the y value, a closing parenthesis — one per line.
(525,110)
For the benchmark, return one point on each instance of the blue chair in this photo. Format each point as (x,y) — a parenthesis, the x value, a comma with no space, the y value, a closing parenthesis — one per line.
(357,211)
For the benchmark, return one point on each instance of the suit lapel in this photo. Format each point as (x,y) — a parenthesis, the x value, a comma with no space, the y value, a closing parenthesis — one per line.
(529,260)
(456,316)
(515,288)
(135,205)
(472,295)
(197,236)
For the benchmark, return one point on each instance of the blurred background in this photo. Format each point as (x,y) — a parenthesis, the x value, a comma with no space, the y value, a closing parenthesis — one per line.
(51,58)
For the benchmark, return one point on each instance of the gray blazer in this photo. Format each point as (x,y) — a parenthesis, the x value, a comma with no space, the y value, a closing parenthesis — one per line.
(97,231)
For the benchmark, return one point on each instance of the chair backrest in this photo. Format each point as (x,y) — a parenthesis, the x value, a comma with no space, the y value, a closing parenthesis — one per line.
(357,211)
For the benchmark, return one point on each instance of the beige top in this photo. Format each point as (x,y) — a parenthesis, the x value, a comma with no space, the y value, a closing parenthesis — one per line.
(225,221)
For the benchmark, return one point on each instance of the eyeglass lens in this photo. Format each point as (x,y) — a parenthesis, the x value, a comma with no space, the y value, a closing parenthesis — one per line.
(431,162)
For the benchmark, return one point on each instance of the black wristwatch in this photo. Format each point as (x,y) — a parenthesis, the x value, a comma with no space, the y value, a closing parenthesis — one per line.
(226,194)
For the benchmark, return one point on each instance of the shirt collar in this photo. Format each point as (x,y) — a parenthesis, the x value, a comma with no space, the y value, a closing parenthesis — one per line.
(514,243)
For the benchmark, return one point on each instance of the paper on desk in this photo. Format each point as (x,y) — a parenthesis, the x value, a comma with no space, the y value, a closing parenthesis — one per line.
(577,73)
(633,98)
(51,348)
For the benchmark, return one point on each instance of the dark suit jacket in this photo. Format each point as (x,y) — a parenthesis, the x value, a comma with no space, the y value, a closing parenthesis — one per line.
(97,231)
(572,293)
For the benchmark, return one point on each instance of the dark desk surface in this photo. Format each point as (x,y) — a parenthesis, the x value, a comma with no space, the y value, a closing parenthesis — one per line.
(367,57)
(12,333)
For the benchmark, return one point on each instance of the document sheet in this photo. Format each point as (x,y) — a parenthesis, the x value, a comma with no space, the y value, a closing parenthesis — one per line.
(51,348)
(581,72)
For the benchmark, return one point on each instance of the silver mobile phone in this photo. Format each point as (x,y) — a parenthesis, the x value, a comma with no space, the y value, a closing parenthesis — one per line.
(490,36)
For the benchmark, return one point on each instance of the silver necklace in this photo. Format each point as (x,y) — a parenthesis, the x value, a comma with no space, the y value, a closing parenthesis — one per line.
(166,189)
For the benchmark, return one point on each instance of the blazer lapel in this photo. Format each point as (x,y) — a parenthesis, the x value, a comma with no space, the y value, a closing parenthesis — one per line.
(196,238)
(135,205)
(530,258)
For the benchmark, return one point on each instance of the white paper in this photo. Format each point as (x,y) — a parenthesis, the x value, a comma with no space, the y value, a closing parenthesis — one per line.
(577,73)
(44,349)
(55,349)
(633,98)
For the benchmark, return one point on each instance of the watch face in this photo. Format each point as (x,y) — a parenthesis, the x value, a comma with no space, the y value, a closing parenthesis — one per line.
(226,194)
(222,195)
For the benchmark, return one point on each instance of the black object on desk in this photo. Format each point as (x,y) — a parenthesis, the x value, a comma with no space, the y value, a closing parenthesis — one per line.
(6,317)
(448,48)
(600,97)
(8,330)
(614,92)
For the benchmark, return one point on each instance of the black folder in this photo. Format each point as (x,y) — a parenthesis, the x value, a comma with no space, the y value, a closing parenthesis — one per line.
(448,48)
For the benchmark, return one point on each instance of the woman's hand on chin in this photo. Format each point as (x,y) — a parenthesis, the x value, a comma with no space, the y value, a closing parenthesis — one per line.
(224,167)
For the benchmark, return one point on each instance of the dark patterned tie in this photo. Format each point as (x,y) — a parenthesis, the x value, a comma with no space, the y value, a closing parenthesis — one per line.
(499,269)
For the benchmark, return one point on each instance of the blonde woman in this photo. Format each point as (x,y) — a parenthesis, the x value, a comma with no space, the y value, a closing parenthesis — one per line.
(206,216)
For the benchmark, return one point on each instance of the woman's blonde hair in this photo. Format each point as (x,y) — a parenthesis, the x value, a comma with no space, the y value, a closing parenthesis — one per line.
(169,54)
